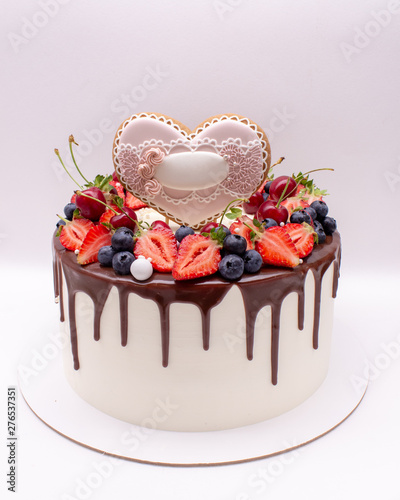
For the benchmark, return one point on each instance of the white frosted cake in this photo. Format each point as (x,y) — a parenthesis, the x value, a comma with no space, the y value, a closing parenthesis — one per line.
(201,342)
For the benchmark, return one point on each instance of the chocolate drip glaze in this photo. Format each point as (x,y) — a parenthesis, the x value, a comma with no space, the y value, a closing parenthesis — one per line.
(269,287)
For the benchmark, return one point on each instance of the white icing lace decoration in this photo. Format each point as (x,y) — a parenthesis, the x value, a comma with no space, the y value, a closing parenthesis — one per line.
(244,160)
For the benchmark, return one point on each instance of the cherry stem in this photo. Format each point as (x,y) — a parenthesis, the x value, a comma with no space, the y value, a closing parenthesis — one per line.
(65,168)
(229,204)
(62,218)
(72,141)
(318,169)
(282,196)
(277,162)
(80,193)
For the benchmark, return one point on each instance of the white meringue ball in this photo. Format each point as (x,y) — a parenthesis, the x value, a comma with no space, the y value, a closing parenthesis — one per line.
(141,268)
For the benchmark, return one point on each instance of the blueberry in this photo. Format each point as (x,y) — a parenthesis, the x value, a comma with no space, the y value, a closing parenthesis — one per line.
(125,230)
(329,225)
(182,232)
(122,240)
(60,223)
(266,223)
(321,208)
(265,196)
(320,232)
(300,216)
(234,243)
(121,262)
(311,212)
(231,267)
(69,210)
(267,186)
(105,256)
(252,261)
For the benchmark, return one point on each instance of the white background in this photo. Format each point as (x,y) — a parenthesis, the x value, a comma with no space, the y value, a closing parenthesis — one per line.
(323,79)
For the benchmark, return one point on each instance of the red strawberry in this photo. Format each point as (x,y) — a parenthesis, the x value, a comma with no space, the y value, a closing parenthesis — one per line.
(97,237)
(160,245)
(292,203)
(74,232)
(109,214)
(134,203)
(242,230)
(302,236)
(197,256)
(277,248)
(119,187)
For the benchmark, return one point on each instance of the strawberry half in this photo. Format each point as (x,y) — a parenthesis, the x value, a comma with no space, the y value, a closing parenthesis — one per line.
(277,248)
(197,256)
(242,230)
(302,236)
(160,245)
(133,202)
(292,203)
(97,237)
(74,232)
(109,214)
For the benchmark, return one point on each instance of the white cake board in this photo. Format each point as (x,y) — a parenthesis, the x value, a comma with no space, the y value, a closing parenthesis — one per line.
(52,400)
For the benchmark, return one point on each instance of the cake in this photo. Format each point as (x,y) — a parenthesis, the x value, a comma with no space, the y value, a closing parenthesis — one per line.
(214,341)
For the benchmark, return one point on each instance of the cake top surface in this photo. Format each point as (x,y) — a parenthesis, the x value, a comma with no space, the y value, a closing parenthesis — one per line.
(194,205)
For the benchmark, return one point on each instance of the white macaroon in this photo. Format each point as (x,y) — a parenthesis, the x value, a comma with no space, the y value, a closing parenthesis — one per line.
(141,268)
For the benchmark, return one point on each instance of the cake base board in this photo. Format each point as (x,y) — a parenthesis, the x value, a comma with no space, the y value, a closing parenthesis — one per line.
(54,402)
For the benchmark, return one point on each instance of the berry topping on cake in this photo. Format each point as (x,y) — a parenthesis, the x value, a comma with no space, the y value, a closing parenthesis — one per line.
(159,223)
(235,244)
(97,237)
(329,225)
(158,244)
(241,227)
(122,262)
(74,232)
(252,261)
(302,236)
(277,248)
(182,232)
(300,216)
(255,200)
(231,267)
(109,214)
(319,230)
(133,202)
(126,219)
(198,256)
(321,208)
(282,187)
(123,240)
(91,203)
(69,210)
(105,256)
(268,210)
(266,223)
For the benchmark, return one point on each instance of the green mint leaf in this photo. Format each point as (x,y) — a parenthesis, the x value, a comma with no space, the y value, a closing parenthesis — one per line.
(76,213)
(257,223)
(118,201)
(231,216)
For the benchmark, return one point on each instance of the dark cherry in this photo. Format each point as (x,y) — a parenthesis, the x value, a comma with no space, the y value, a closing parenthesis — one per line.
(255,200)
(211,225)
(268,210)
(283,184)
(89,208)
(122,220)
(159,223)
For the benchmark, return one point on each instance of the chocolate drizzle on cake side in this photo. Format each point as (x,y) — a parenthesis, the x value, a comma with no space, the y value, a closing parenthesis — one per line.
(269,287)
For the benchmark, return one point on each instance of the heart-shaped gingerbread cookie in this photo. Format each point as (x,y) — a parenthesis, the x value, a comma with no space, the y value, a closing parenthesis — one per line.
(188,176)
